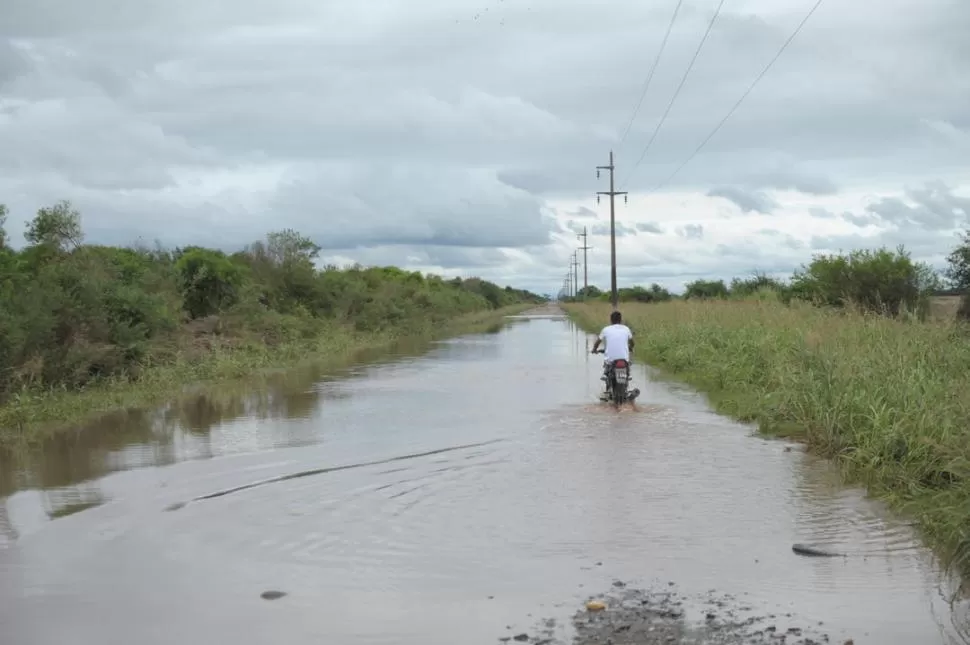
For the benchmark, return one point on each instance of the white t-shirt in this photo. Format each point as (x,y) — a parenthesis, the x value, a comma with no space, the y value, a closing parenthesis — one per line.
(617,339)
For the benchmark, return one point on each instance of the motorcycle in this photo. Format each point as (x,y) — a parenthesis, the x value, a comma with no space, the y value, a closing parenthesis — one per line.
(617,376)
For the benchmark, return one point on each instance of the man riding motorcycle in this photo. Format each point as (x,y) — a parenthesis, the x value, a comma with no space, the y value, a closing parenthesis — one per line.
(618,338)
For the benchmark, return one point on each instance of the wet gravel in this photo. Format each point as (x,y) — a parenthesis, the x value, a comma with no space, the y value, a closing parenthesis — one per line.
(635,616)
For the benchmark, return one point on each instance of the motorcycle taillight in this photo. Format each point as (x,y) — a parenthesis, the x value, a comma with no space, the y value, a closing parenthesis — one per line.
(620,363)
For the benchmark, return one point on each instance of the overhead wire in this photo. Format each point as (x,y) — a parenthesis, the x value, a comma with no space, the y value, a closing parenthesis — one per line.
(673,98)
(740,100)
(649,79)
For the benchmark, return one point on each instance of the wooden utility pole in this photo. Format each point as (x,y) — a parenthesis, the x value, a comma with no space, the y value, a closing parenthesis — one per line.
(612,193)
(584,248)
(574,265)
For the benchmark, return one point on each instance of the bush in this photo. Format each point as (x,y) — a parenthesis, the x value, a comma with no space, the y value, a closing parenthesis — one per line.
(72,313)
(759,284)
(706,289)
(208,281)
(878,281)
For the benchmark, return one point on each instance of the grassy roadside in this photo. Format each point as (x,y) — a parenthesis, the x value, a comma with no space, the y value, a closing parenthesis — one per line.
(32,415)
(888,400)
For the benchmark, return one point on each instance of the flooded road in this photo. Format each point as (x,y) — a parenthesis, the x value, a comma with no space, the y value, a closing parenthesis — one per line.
(458,496)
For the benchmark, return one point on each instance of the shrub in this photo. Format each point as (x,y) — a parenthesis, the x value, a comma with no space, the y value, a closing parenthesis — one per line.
(877,281)
(72,313)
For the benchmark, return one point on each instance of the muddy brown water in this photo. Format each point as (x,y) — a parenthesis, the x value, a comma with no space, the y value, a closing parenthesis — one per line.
(454,496)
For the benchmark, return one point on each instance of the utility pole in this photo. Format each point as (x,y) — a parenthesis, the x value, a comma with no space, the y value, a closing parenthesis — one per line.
(612,193)
(584,248)
(574,265)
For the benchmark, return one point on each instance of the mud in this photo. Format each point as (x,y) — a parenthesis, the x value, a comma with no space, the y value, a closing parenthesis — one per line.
(659,616)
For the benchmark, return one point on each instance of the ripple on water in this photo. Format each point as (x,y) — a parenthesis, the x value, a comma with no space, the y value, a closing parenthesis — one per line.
(349,520)
(677,472)
(833,515)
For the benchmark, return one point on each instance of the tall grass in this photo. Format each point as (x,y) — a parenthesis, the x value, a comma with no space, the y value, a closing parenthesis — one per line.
(888,400)
(33,414)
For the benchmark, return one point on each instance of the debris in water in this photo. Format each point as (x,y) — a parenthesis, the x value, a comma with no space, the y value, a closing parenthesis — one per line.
(658,617)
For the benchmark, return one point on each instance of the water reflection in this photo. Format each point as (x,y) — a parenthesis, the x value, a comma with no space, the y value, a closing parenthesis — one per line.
(205,423)
(162,436)
(74,499)
(8,534)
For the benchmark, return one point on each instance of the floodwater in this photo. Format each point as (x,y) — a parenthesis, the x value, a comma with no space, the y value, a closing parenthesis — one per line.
(438,498)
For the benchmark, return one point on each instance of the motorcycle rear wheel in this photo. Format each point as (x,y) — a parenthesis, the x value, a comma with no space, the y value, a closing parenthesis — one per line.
(619,394)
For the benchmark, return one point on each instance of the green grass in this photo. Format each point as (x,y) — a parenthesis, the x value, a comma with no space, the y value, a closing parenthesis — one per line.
(888,400)
(32,415)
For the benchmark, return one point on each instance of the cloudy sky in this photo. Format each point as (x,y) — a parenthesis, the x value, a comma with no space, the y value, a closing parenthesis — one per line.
(462,136)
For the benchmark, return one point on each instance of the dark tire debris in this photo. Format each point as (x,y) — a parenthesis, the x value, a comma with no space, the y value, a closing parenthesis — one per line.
(814,551)
(272,595)
(636,616)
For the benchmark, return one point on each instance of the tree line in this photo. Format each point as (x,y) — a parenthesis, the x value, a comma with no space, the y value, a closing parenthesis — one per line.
(72,313)
(882,281)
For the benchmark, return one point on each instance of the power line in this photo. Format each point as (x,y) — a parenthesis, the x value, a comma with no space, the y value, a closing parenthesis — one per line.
(683,80)
(740,100)
(646,84)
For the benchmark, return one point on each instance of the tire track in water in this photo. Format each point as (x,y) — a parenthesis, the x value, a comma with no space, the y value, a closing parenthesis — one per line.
(330,469)
(359,524)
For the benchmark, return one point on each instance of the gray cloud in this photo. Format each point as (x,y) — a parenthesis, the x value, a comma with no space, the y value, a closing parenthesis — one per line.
(747,201)
(214,122)
(446,257)
(924,245)
(934,207)
(12,62)
(788,179)
(863,219)
(821,213)
(650,227)
(778,237)
(619,228)
(691,231)
(584,212)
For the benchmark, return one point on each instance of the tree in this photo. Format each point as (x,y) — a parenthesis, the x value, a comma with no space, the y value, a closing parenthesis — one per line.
(750,286)
(958,261)
(288,246)
(958,273)
(705,289)
(57,227)
(209,281)
(3,227)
